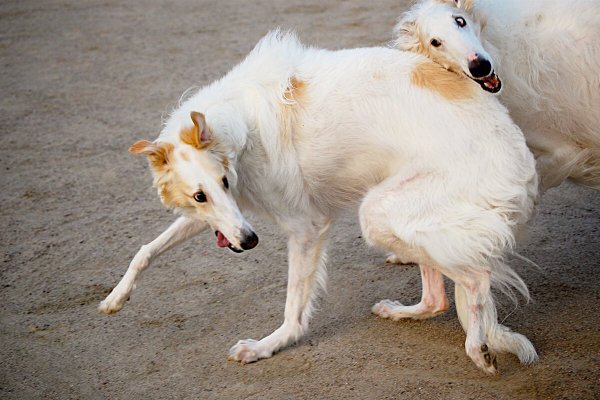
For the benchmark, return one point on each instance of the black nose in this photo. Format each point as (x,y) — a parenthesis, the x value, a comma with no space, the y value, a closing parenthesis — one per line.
(480,67)
(250,241)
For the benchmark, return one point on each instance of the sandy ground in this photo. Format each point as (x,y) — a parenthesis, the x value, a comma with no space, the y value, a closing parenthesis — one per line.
(80,82)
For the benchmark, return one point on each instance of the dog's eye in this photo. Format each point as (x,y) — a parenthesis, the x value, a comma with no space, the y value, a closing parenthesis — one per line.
(225,182)
(200,197)
(435,43)
(460,21)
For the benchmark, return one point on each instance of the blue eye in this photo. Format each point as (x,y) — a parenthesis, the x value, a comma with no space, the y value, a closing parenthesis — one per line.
(200,197)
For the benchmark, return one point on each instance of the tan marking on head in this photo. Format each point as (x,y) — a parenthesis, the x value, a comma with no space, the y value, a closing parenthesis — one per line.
(410,37)
(422,46)
(158,153)
(171,189)
(449,85)
(190,136)
(173,192)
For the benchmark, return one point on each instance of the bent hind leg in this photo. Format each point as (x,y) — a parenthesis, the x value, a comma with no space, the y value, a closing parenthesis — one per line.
(412,221)
(377,231)
(433,299)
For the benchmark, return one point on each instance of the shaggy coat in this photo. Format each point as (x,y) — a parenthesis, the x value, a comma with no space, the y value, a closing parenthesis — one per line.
(438,170)
(548,54)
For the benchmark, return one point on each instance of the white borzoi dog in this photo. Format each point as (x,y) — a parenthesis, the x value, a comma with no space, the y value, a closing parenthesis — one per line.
(548,54)
(440,171)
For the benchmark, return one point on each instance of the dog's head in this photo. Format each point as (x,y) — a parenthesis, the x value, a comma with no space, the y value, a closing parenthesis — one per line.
(444,31)
(192,174)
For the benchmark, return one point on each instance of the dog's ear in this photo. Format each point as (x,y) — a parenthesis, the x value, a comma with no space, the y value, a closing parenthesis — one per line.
(405,33)
(142,147)
(456,3)
(158,153)
(203,133)
(466,5)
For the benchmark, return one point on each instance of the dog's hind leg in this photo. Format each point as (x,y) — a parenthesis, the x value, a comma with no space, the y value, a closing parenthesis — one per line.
(376,223)
(499,337)
(433,299)
(181,230)
(306,273)
(477,319)
(378,231)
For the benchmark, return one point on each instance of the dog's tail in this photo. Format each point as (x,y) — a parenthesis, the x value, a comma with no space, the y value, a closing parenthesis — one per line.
(499,337)
(582,167)
(587,172)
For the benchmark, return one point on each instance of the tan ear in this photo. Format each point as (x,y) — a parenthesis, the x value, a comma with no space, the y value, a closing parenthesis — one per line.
(200,124)
(141,147)
(466,5)
(158,153)
(455,3)
(198,136)
(406,27)
(405,32)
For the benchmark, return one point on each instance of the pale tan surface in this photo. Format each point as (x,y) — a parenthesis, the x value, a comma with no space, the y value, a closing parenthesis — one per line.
(80,82)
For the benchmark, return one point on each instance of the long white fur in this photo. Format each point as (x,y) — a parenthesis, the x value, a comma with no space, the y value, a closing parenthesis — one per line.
(446,182)
(548,54)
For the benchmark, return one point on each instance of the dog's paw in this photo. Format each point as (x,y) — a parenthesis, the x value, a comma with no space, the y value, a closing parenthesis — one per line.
(483,358)
(396,260)
(247,351)
(113,303)
(387,309)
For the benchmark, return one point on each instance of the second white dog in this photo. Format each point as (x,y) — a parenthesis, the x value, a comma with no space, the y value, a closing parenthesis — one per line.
(548,54)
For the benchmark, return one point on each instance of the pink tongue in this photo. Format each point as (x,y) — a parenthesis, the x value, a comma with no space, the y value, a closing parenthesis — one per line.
(222,240)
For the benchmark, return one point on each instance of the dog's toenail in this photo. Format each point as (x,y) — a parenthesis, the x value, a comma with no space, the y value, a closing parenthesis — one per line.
(488,358)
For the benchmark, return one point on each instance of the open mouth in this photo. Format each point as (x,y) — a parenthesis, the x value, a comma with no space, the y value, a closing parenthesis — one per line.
(223,242)
(490,83)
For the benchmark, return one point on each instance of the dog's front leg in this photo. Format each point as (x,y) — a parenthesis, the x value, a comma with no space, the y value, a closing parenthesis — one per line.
(181,230)
(306,272)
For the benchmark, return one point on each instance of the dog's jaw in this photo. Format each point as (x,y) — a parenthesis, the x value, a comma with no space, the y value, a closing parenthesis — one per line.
(490,83)
(222,241)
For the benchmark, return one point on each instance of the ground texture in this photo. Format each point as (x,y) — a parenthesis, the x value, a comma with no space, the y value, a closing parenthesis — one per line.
(80,82)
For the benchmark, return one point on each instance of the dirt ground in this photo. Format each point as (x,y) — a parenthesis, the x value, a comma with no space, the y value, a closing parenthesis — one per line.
(81,81)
